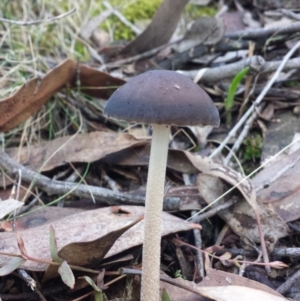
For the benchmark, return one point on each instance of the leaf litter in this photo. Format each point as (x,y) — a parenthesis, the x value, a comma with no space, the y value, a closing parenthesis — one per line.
(87,237)
(122,157)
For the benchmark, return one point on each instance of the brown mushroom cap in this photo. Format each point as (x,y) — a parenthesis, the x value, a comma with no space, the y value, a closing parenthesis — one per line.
(162,97)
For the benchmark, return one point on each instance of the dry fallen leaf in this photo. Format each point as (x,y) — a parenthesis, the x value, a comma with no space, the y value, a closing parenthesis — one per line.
(282,195)
(240,217)
(89,252)
(222,286)
(243,184)
(9,206)
(31,96)
(83,227)
(139,156)
(81,148)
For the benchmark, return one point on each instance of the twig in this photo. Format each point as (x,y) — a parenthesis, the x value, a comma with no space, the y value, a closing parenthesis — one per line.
(105,196)
(264,32)
(257,101)
(197,236)
(162,278)
(292,253)
(199,256)
(257,63)
(28,279)
(111,183)
(199,218)
(178,60)
(36,22)
(290,14)
(289,283)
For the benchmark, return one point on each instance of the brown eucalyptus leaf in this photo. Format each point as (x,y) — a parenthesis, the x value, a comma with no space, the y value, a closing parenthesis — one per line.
(240,217)
(160,30)
(234,178)
(209,166)
(90,147)
(280,133)
(96,83)
(282,195)
(222,286)
(139,156)
(31,96)
(38,217)
(89,233)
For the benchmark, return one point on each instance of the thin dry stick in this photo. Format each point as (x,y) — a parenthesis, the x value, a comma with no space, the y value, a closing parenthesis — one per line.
(276,252)
(65,188)
(162,278)
(242,135)
(257,101)
(264,32)
(199,218)
(289,283)
(197,236)
(290,14)
(257,63)
(36,22)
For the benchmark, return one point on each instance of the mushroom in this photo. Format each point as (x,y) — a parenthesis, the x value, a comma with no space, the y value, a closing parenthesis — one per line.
(161,98)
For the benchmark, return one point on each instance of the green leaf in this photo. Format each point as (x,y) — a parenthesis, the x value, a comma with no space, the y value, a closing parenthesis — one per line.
(98,296)
(11,266)
(165,296)
(229,100)
(66,274)
(53,246)
(92,283)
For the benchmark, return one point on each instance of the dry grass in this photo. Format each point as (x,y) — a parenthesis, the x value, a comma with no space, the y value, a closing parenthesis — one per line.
(30,51)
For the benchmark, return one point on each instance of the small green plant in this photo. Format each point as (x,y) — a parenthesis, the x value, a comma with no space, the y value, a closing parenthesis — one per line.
(253,147)
(178,274)
(195,11)
(165,296)
(292,84)
(229,100)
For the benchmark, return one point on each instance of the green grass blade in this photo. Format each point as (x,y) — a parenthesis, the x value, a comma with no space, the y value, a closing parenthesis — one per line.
(229,101)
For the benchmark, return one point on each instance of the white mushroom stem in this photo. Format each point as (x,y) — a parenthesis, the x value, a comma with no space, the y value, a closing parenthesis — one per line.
(153,213)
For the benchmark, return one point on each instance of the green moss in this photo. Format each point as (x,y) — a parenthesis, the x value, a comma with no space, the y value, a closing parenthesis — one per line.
(253,147)
(193,11)
(133,11)
(292,84)
(145,9)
